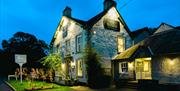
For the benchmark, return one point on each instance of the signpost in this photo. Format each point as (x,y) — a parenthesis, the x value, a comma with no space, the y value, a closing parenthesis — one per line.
(20,59)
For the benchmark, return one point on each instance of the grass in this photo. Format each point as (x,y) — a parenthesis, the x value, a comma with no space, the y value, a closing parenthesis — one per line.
(28,84)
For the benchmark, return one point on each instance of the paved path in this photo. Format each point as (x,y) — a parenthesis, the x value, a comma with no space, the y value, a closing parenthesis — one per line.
(84,88)
(4,86)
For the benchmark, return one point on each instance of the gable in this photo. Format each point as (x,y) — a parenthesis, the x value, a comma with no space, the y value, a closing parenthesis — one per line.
(66,24)
(114,21)
(164,27)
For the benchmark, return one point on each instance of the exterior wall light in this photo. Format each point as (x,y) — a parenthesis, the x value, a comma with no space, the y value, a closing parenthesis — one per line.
(63,66)
(171,62)
(130,65)
(72,64)
(94,32)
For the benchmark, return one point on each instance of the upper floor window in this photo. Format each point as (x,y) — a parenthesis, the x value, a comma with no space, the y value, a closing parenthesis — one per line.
(78,43)
(68,46)
(64,32)
(121,44)
(111,24)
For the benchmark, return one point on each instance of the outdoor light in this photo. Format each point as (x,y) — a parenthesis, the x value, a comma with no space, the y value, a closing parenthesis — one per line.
(94,32)
(130,65)
(171,62)
(72,64)
(63,66)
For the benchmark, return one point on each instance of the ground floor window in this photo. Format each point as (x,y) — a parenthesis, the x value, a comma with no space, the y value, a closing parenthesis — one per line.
(123,67)
(79,68)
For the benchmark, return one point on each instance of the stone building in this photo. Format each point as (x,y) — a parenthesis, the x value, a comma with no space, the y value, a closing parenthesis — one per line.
(156,57)
(107,33)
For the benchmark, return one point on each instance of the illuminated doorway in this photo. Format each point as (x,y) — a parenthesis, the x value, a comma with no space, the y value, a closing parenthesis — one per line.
(143,68)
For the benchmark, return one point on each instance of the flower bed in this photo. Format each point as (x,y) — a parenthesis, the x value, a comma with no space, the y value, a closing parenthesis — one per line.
(37,85)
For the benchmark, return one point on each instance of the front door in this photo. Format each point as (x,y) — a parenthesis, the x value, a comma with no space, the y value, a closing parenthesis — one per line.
(143,68)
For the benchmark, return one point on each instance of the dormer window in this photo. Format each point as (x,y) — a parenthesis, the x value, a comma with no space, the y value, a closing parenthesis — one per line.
(111,24)
(121,44)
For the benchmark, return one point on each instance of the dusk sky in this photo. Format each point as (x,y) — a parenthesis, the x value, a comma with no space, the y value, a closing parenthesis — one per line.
(41,17)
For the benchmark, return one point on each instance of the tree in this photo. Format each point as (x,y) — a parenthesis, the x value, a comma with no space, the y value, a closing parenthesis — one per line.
(93,67)
(95,73)
(53,62)
(24,43)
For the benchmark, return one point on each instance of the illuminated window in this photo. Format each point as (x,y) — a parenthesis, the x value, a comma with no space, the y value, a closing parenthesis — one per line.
(146,66)
(78,43)
(79,68)
(123,67)
(121,44)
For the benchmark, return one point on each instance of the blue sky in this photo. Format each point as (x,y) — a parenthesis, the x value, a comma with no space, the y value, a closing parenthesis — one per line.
(41,17)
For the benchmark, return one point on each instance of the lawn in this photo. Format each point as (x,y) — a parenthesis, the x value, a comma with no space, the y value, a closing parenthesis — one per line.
(37,84)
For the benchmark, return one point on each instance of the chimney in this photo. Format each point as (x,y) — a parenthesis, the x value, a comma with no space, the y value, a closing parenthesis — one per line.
(108,4)
(67,11)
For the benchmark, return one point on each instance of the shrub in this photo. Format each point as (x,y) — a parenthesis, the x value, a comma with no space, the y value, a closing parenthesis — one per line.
(96,78)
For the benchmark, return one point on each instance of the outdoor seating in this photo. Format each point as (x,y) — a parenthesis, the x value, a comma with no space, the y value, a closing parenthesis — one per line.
(16,75)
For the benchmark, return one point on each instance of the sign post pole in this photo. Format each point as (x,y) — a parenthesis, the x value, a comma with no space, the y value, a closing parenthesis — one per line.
(20,59)
(21,72)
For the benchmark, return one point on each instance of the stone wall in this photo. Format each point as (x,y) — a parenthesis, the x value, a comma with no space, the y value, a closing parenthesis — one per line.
(74,29)
(166,69)
(105,40)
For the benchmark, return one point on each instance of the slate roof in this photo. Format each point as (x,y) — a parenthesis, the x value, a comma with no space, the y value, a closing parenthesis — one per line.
(164,43)
(89,24)
(78,21)
(139,31)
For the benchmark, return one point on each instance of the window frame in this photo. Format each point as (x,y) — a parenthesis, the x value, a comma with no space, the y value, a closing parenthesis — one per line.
(123,67)
(79,67)
(68,46)
(118,44)
(78,43)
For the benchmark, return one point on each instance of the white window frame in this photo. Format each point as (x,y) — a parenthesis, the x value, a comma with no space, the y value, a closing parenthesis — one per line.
(123,67)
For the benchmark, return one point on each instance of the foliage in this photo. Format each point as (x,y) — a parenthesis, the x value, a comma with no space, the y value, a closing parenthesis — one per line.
(52,61)
(42,75)
(23,43)
(27,84)
(93,67)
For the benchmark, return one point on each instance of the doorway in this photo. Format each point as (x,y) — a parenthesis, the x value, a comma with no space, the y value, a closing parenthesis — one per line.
(143,68)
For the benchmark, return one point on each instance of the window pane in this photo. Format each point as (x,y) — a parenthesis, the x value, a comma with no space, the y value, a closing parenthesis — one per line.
(80,68)
(120,44)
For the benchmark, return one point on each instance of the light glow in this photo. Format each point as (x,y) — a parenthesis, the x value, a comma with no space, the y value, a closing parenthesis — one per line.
(73,64)
(130,65)
(63,66)
(65,22)
(112,13)
(72,26)
(171,62)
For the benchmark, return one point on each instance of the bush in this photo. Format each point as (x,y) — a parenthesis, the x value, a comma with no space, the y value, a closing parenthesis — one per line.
(96,78)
